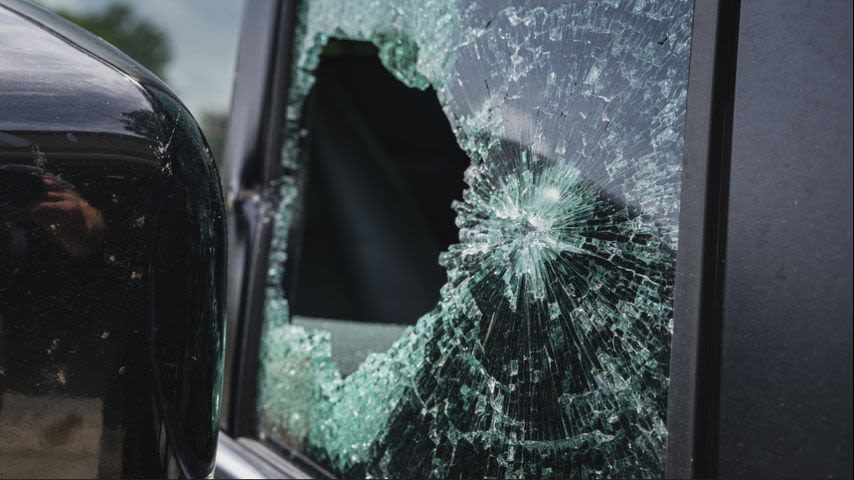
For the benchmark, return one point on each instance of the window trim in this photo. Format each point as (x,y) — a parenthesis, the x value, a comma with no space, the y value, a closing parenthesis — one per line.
(247,458)
(252,159)
(693,395)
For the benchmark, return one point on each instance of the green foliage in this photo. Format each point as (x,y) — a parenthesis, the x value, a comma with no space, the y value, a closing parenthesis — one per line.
(119,24)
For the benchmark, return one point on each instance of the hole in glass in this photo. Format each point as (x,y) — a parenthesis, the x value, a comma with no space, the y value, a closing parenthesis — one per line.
(382,168)
(547,354)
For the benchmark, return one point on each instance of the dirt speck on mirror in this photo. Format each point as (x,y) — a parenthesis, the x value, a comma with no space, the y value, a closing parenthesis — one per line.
(547,353)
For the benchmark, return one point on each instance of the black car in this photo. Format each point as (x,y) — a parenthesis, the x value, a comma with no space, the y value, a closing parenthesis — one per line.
(505,239)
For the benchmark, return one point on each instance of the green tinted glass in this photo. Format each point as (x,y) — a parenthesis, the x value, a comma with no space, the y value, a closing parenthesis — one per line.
(547,352)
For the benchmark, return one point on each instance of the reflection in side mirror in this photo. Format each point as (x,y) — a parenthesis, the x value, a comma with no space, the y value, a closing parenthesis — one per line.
(113,264)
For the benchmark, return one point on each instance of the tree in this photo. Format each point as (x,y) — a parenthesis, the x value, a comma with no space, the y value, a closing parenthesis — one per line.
(119,24)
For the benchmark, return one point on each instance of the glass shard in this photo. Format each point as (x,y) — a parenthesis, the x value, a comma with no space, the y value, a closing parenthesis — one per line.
(547,354)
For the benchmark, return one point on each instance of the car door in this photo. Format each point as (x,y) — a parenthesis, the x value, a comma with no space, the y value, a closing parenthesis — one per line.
(589,318)
(542,345)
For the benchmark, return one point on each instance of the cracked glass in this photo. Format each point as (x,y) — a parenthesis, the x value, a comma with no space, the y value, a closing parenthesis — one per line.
(546,354)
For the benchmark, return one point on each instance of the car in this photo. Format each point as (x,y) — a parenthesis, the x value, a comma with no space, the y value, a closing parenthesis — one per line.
(551,239)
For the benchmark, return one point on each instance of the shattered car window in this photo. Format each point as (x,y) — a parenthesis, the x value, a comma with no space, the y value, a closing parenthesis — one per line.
(547,352)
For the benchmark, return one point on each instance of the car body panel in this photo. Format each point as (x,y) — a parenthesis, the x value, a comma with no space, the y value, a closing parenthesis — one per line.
(113,284)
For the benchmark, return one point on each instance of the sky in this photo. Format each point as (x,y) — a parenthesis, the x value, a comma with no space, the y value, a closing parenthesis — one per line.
(204,36)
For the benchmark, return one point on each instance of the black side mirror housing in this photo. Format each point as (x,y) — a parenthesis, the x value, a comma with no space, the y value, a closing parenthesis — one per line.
(112,263)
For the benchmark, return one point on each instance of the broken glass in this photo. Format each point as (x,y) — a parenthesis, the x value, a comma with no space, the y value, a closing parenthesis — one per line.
(547,353)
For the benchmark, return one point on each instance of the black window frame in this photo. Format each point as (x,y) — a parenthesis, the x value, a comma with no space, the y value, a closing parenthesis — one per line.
(692,415)
(252,166)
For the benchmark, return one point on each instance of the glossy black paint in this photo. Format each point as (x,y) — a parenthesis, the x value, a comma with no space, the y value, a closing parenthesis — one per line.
(112,263)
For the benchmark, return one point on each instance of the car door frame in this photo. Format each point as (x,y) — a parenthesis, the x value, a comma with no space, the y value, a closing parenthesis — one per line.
(253,167)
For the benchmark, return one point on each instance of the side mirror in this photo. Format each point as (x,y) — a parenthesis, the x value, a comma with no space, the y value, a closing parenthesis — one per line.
(112,263)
